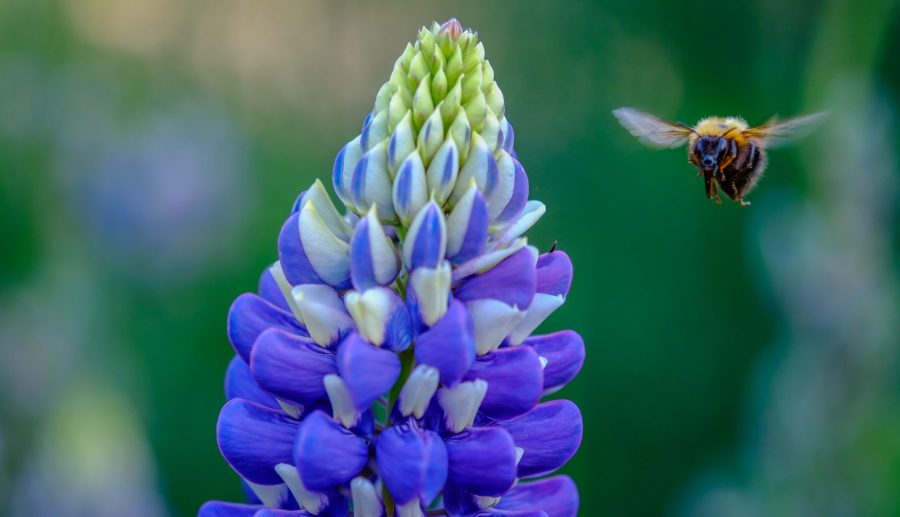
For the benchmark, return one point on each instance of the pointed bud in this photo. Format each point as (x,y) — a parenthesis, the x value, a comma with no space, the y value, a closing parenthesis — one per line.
(410,189)
(467,226)
(373,259)
(371,184)
(426,242)
(442,171)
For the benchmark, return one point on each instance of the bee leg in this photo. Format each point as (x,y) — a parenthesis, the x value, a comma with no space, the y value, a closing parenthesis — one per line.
(710,185)
(744,203)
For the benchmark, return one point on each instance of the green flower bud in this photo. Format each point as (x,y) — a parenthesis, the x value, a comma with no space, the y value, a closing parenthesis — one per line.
(440,101)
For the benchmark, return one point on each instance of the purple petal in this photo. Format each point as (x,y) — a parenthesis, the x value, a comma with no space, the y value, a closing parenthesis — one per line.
(368,371)
(519,196)
(337,174)
(512,281)
(550,434)
(223,509)
(271,292)
(253,439)
(250,315)
(564,352)
(239,383)
(294,262)
(271,512)
(412,462)
(326,454)
(291,367)
(449,345)
(554,273)
(482,460)
(515,381)
(558,496)
(373,261)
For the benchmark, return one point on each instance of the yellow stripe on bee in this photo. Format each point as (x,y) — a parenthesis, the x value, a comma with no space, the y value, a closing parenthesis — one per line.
(734,127)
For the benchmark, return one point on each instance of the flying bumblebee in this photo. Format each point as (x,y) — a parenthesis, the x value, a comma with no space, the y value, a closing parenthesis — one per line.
(726,151)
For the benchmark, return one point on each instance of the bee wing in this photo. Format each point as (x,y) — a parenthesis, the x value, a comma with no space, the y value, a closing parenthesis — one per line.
(651,130)
(781,132)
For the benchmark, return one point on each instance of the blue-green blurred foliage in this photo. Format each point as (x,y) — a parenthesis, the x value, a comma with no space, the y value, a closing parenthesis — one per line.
(154,147)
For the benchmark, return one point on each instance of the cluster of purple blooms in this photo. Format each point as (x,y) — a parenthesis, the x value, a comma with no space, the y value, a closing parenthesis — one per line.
(387,365)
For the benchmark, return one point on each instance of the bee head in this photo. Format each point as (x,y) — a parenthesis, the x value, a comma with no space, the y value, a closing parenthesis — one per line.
(710,150)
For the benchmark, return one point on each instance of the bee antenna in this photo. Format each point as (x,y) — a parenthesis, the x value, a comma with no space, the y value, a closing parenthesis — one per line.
(553,248)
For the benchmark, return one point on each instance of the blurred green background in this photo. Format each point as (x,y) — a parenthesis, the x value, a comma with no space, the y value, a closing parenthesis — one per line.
(741,361)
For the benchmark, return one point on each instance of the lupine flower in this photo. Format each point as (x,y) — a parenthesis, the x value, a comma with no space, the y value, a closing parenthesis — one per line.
(386,365)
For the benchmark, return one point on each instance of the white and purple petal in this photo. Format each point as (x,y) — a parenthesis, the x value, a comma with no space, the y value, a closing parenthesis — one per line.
(326,454)
(514,206)
(381,317)
(426,242)
(291,367)
(254,438)
(564,353)
(467,226)
(410,190)
(371,183)
(412,462)
(480,166)
(367,370)
(515,381)
(482,460)
(429,292)
(550,434)
(492,321)
(442,171)
(373,260)
(513,282)
(461,403)
(449,345)
(344,164)
(322,311)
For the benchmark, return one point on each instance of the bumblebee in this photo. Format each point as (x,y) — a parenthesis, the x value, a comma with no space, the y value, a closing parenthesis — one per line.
(729,154)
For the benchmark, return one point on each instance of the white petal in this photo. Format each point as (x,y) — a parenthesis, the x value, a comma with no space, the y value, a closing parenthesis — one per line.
(431,286)
(270,495)
(491,131)
(318,196)
(322,311)
(534,210)
(418,390)
(487,261)
(412,508)
(506,183)
(370,310)
(285,286)
(431,135)
(341,403)
(385,261)
(461,403)
(328,254)
(291,409)
(541,307)
(312,502)
(493,320)
(366,502)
